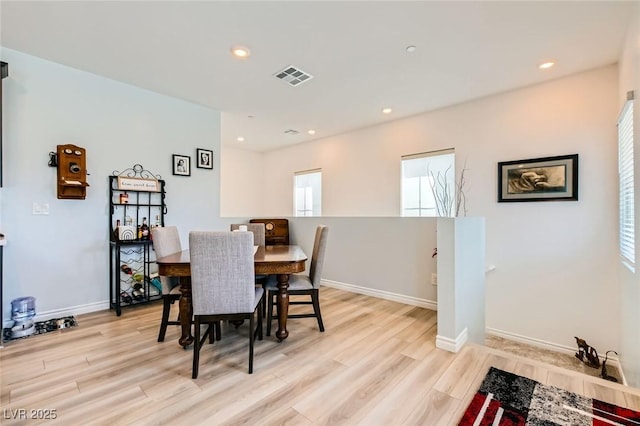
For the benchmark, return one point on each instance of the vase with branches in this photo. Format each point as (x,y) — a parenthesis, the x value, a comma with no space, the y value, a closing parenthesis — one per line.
(449,193)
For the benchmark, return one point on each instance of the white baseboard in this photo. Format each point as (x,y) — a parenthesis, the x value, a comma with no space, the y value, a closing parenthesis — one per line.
(613,361)
(381,294)
(73,310)
(531,341)
(451,345)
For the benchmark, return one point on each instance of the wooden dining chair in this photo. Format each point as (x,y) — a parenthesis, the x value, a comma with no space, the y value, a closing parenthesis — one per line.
(166,241)
(305,285)
(222,286)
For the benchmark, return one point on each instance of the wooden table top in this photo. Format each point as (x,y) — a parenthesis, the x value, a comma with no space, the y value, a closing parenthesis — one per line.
(267,260)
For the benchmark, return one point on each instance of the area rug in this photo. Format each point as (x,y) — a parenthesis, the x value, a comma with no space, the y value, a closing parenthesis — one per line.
(508,399)
(42,327)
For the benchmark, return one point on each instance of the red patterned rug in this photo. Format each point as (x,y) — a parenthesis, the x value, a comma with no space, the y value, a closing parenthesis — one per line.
(508,399)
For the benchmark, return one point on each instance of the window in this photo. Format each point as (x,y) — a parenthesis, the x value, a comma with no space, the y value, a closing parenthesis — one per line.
(307,193)
(625,173)
(428,184)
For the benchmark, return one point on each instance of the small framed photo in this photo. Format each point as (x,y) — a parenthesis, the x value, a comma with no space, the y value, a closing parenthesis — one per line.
(205,158)
(181,165)
(539,179)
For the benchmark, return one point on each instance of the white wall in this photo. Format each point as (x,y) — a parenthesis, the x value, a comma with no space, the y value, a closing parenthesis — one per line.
(359,174)
(630,283)
(461,282)
(241,192)
(555,276)
(62,259)
(386,257)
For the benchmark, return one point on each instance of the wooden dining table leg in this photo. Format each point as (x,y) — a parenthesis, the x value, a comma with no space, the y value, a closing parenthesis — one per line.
(283,306)
(186,312)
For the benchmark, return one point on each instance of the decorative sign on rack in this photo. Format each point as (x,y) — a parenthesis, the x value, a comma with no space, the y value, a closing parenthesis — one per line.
(138,184)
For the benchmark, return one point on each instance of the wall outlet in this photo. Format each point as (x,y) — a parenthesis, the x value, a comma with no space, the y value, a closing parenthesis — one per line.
(434,278)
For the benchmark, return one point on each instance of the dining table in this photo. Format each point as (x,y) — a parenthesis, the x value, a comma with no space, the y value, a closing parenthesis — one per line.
(279,260)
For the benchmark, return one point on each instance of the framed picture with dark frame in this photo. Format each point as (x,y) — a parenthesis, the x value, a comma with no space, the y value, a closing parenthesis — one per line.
(539,179)
(204,158)
(181,165)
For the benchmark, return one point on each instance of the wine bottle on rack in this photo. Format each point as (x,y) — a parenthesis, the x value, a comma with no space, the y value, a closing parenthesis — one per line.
(138,292)
(139,233)
(158,222)
(144,229)
(115,230)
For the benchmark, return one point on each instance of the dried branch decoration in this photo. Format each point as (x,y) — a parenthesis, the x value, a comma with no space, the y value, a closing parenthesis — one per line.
(445,198)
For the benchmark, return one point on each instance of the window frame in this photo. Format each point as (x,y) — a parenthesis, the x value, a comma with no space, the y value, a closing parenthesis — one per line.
(295,194)
(626,185)
(420,208)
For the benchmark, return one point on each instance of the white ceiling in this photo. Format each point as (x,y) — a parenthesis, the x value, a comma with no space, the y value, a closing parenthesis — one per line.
(355,50)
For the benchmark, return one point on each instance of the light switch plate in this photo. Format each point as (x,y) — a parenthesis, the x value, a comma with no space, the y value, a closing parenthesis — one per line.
(40,208)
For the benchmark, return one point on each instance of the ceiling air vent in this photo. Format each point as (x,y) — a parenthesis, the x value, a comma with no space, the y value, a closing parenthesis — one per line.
(293,76)
(291,132)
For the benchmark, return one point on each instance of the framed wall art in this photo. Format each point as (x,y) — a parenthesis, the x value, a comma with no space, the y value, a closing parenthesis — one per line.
(539,179)
(181,165)
(205,158)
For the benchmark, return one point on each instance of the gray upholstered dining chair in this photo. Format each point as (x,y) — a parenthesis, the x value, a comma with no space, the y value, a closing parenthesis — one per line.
(222,286)
(166,241)
(308,285)
(257,229)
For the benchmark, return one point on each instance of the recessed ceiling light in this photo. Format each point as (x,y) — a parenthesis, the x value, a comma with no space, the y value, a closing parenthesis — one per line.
(411,49)
(240,139)
(311,132)
(546,65)
(386,110)
(240,52)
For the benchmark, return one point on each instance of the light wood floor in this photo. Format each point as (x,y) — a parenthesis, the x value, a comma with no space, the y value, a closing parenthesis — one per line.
(376,364)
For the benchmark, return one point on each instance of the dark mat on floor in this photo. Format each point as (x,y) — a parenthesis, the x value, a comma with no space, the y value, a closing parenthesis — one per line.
(44,327)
